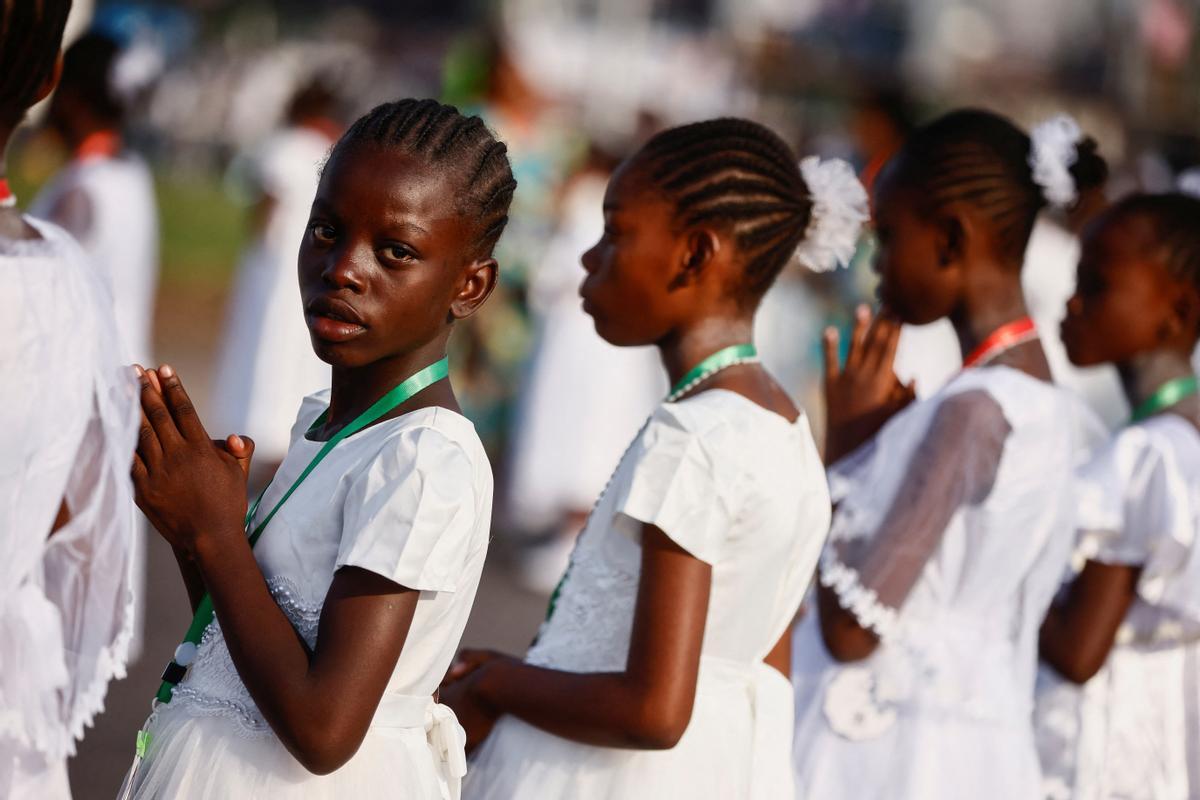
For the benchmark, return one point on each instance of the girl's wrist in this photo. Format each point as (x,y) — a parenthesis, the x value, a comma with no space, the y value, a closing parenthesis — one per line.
(215,544)
(487,688)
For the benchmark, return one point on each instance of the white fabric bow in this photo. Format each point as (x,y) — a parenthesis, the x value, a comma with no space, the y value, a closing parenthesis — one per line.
(839,209)
(1052,151)
(448,741)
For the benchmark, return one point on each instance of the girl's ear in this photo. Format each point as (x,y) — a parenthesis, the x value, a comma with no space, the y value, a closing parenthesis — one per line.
(701,247)
(1185,313)
(479,279)
(952,239)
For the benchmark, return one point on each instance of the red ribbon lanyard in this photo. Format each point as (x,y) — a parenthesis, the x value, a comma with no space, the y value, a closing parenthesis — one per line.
(7,198)
(101,144)
(1001,339)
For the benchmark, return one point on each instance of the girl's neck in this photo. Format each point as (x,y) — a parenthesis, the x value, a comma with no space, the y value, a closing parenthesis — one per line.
(1003,302)
(1145,373)
(684,349)
(354,389)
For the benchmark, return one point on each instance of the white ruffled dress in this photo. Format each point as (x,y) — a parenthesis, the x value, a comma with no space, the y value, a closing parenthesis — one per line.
(742,489)
(1133,731)
(943,707)
(68,424)
(408,498)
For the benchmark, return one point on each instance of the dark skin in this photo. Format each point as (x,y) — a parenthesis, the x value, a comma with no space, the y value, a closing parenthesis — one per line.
(384,274)
(647,282)
(1127,310)
(933,263)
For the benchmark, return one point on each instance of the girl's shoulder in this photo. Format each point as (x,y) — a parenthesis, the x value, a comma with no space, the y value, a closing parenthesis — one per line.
(1032,404)
(426,432)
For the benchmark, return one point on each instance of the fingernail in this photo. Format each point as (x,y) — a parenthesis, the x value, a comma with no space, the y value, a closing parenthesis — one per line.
(165,371)
(141,373)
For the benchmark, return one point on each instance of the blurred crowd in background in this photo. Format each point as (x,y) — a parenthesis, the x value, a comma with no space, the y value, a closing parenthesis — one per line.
(198,128)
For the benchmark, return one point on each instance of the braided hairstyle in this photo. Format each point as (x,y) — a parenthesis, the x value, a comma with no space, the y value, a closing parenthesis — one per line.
(30,36)
(738,175)
(1174,220)
(461,145)
(982,159)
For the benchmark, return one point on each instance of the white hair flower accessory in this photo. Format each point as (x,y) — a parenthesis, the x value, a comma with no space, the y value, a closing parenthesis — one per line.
(1052,152)
(839,209)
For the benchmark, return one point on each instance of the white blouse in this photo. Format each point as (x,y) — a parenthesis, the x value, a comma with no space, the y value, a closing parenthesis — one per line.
(742,489)
(408,498)
(68,423)
(949,539)
(1133,731)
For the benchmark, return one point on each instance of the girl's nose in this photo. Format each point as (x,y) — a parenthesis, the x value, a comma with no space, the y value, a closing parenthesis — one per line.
(342,272)
(1074,305)
(589,259)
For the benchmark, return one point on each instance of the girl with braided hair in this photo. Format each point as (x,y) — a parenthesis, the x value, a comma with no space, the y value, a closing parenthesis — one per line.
(661,668)
(68,420)
(915,675)
(339,599)
(1128,626)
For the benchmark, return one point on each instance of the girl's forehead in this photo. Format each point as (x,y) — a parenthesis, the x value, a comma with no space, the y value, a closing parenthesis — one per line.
(388,183)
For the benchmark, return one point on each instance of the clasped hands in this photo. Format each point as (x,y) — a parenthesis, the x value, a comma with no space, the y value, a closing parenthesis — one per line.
(192,488)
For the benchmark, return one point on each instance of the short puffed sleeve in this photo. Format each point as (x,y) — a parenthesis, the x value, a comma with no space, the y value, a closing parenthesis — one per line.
(411,515)
(677,485)
(1137,507)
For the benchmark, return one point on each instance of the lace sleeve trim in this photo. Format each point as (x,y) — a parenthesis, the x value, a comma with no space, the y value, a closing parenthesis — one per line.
(856,598)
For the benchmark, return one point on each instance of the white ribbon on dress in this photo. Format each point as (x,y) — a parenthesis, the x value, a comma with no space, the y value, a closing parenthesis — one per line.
(447,739)
(772,705)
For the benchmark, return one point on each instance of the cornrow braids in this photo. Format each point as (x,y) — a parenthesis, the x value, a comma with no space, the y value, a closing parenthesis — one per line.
(30,36)
(462,144)
(982,159)
(1175,220)
(740,175)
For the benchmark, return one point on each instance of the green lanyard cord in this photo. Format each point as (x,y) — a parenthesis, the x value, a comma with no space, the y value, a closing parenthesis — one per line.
(1166,396)
(204,614)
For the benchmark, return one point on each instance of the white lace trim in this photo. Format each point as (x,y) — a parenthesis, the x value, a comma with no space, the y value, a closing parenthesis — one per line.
(856,598)
(110,665)
(213,687)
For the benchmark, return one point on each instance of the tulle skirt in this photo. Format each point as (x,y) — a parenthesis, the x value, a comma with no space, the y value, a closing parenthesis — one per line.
(214,758)
(737,745)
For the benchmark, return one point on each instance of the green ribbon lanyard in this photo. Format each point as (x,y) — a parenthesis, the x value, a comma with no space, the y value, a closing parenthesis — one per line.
(715,363)
(1166,396)
(422,380)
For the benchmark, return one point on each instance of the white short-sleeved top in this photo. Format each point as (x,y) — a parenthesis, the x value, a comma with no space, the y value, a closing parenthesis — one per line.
(735,485)
(1140,505)
(410,499)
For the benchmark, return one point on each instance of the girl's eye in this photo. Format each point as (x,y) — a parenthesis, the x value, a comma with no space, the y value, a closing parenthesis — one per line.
(397,252)
(321,232)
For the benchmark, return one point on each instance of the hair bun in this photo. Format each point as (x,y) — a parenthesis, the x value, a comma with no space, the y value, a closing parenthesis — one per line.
(839,209)
(1063,160)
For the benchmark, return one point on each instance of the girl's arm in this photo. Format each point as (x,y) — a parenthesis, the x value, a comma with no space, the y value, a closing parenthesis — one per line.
(319,702)
(648,705)
(1079,632)
(955,465)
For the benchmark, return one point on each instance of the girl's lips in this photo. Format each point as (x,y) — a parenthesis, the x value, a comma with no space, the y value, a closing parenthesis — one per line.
(334,330)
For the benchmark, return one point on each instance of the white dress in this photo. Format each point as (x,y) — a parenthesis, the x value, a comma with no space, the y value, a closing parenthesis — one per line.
(408,498)
(949,538)
(266,358)
(742,489)
(121,238)
(68,424)
(1133,731)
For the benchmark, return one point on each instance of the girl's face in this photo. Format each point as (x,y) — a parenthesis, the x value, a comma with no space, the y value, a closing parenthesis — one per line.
(630,289)
(1125,302)
(383,265)
(918,277)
